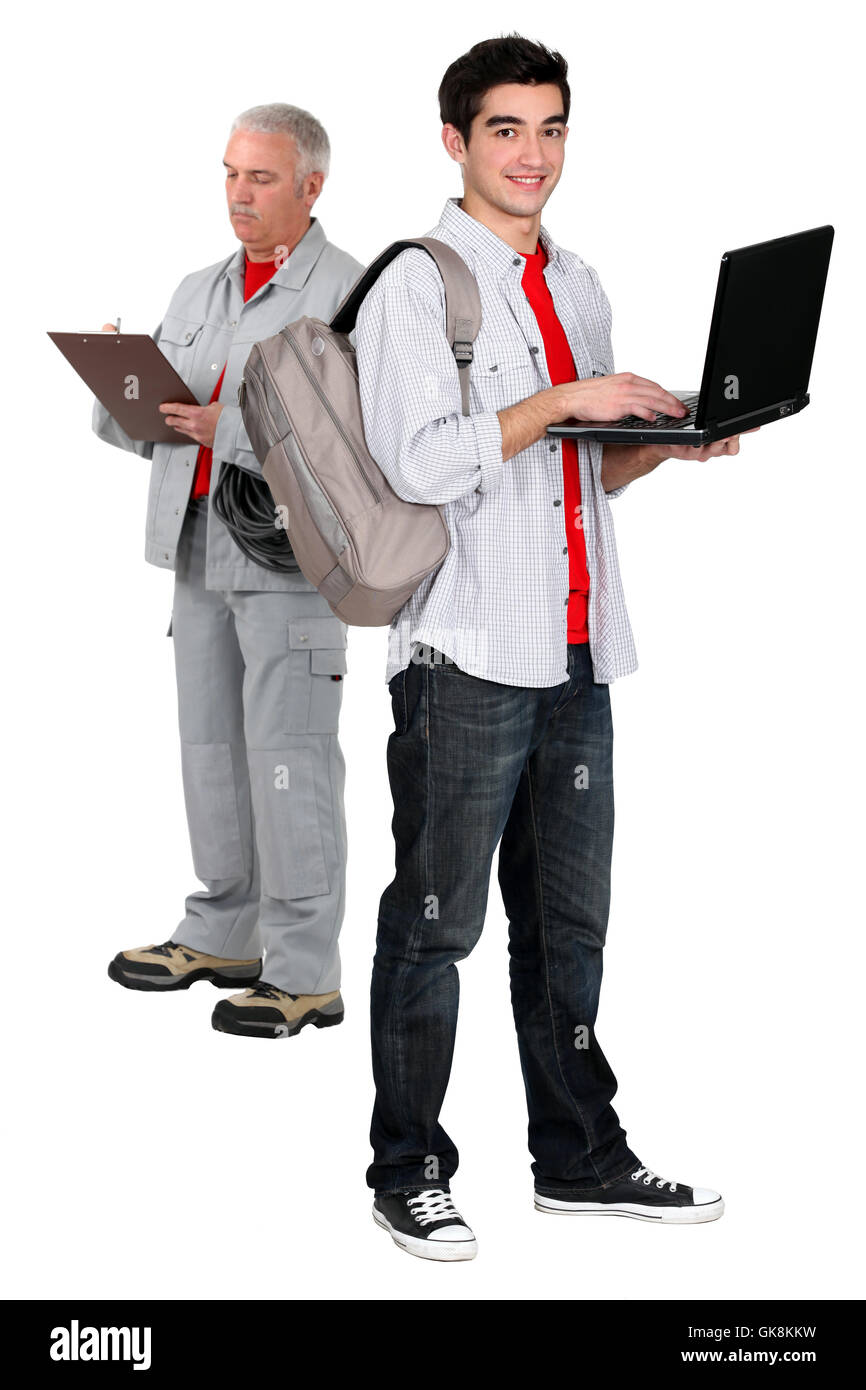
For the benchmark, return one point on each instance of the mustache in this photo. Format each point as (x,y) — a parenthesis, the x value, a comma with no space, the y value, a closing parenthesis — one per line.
(247,212)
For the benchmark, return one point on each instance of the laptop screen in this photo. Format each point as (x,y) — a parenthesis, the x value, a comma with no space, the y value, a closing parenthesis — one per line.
(765,321)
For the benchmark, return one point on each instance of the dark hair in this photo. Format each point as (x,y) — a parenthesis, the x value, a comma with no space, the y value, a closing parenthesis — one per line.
(490,63)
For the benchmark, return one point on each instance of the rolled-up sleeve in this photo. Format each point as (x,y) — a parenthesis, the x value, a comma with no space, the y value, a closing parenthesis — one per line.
(410,392)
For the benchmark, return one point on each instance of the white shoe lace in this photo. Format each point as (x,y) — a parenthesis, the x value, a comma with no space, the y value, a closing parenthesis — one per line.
(650,1175)
(432,1205)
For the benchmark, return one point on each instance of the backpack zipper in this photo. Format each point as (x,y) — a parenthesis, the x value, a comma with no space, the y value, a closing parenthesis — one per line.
(332,416)
(261,400)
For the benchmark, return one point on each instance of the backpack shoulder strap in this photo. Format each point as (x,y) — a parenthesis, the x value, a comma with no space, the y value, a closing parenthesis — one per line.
(462,301)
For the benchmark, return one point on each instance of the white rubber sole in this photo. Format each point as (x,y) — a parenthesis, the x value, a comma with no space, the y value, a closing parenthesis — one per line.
(428,1249)
(667,1216)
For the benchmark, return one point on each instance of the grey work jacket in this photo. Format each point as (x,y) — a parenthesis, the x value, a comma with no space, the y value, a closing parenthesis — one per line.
(207,324)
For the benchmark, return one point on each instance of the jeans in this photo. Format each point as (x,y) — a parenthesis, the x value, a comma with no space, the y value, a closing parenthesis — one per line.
(472,762)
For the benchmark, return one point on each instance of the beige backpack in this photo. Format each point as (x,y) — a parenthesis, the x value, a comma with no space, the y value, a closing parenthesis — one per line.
(363,547)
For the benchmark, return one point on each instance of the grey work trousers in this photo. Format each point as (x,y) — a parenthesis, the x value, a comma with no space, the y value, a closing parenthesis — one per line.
(263,772)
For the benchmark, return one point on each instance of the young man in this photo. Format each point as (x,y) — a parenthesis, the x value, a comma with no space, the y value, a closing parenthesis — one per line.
(499,666)
(259,654)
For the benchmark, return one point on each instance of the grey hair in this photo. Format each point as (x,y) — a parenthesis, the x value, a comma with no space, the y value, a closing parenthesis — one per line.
(309,135)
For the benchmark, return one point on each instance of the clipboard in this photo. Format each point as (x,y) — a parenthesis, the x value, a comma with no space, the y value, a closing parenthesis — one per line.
(131,378)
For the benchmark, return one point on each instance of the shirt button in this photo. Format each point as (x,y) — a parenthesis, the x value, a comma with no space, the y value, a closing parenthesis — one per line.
(553,448)
(233,323)
(565,550)
(187,337)
(533,349)
(304,637)
(557,502)
(516,261)
(214,366)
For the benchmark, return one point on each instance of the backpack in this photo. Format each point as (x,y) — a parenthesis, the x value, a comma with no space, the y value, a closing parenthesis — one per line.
(364,548)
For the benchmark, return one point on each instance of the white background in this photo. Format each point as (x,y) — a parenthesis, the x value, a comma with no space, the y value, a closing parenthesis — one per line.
(148,1156)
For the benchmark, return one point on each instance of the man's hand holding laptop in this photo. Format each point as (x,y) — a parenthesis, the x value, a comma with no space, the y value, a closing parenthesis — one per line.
(603,398)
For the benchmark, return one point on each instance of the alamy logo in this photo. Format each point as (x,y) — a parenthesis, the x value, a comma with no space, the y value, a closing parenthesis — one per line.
(75,1343)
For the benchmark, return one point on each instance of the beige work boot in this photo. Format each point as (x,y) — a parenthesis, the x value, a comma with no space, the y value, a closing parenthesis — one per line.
(268,1012)
(174,966)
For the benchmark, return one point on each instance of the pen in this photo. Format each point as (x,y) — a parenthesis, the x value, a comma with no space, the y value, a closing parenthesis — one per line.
(118,323)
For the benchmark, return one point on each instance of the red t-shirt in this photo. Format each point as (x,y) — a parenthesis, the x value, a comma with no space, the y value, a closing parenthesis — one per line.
(256,274)
(560,365)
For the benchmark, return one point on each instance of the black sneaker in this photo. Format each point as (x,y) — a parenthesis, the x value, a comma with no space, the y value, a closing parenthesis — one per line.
(175,966)
(642,1195)
(425,1223)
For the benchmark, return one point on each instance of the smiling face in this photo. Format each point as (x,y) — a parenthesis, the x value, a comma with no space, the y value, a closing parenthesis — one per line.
(514,157)
(265,209)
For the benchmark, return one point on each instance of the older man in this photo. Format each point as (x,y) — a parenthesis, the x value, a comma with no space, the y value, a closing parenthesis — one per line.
(260,657)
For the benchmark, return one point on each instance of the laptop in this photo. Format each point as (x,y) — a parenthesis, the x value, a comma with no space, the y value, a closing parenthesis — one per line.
(760,349)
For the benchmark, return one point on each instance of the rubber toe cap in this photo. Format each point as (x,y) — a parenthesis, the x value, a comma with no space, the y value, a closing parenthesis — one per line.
(452,1233)
(704,1196)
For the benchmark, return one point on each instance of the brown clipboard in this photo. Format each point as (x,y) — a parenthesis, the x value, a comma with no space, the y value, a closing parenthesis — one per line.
(130,377)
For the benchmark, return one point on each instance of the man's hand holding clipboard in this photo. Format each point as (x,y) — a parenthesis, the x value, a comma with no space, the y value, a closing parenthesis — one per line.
(197,421)
(138,386)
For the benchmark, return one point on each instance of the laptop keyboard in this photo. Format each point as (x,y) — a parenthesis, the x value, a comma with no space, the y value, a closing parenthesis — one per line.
(662,422)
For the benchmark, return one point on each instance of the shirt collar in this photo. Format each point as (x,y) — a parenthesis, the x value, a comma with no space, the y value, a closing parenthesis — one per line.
(295,271)
(472,236)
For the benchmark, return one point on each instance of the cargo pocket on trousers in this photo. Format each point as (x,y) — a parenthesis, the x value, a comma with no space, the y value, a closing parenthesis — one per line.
(316,667)
(327,668)
(288,833)
(212,810)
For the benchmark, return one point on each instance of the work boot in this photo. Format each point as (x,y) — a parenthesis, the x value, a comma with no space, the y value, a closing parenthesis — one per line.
(175,966)
(268,1012)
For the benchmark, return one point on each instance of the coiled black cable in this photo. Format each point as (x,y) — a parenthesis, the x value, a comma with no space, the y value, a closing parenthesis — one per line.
(244,504)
